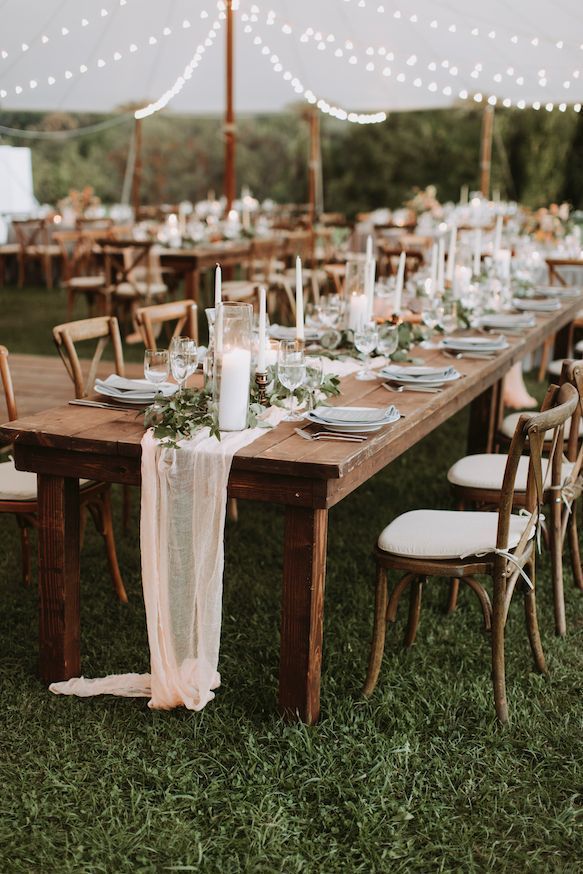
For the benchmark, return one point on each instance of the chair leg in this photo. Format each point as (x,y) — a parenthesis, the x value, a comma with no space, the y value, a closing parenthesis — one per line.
(556,548)
(498,667)
(25,550)
(415,594)
(233,509)
(532,621)
(70,303)
(101,513)
(454,587)
(574,547)
(379,630)
(548,346)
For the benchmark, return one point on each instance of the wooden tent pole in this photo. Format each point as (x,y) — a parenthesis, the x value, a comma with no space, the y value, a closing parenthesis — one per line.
(486,150)
(314,164)
(137,175)
(229,128)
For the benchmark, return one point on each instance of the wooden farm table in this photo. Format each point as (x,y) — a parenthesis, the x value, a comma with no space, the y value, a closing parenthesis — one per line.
(68,442)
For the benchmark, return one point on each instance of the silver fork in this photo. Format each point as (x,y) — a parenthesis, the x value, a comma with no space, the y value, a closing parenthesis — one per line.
(329,435)
(419,388)
(483,356)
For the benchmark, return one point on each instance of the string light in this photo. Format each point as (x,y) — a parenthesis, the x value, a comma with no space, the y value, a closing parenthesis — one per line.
(100,63)
(64,31)
(320,103)
(181,80)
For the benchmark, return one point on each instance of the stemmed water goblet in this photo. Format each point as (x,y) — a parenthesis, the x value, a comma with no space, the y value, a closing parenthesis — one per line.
(291,371)
(388,340)
(183,359)
(156,370)
(431,317)
(449,317)
(365,340)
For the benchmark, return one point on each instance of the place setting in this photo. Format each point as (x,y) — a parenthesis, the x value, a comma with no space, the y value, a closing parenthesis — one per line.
(350,424)
(417,378)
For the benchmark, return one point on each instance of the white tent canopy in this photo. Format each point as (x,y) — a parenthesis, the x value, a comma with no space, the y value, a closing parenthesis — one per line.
(357,55)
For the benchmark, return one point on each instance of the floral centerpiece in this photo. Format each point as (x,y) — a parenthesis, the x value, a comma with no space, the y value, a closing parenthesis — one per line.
(425,200)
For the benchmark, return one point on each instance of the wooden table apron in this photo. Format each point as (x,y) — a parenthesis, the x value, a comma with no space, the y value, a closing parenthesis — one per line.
(71,442)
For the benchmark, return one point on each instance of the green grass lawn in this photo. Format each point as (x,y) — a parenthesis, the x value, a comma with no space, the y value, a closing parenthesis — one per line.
(419,778)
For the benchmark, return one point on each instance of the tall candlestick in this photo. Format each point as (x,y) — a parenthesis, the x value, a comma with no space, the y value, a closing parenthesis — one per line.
(399,283)
(497,235)
(299,300)
(477,252)
(369,280)
(434,269)
(441,265)
(368,248)
(451,254)
(218,286)
(261,351)
(464,194)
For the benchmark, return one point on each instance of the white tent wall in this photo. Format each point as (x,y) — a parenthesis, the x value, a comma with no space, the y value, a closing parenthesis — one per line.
(16,188)
(360,55)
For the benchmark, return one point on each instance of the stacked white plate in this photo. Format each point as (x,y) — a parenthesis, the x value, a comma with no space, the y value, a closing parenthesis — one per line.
(283,332)
(536,305)
(426,377)
(353,419)
(132,391)
(507,321)
(479,345)
(566,291)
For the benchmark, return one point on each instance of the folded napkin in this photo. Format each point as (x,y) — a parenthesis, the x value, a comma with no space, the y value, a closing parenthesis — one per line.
(284,332)
(474,342)
(356,415)
(132,389)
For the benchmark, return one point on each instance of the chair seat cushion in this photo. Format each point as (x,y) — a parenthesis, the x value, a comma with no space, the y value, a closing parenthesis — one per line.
(9,249)
(140,289)
(579,347)
(442,534)
(84,282)
(509,426)
(487,472)
(20,485)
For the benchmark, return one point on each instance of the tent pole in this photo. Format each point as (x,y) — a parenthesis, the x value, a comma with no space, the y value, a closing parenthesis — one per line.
(229,128)
(486,150)
(314,164)
(137,174)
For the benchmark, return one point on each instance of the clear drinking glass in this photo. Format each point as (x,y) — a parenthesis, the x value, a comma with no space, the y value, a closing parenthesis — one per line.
(183,359)
(156,366)
(365,340)
(431,317)
(291,371)
(449,317)
(388,341)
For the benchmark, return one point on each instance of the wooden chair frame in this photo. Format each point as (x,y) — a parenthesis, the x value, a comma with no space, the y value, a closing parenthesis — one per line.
(33,238)
(506,573)
(151,319)
(94,496)
(103,329)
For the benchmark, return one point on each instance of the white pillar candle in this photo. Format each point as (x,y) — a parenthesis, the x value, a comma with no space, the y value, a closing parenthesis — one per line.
(369,280)
(464,194)
(441,265)
(368,247)
(399,283)
(434,269)
(497,235)
(218,286)
(261,352)
(357,311)
(451,253)
(234,393)
(477,252)
(299,300)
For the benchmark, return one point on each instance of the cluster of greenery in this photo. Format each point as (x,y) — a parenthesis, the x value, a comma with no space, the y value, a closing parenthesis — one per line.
(536,157)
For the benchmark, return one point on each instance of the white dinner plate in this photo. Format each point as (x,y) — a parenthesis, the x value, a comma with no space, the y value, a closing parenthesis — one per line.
(353,428)
(426,376)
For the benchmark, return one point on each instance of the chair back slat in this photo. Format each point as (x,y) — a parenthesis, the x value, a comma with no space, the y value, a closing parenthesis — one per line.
(103,329)
(152,318)
(7,386)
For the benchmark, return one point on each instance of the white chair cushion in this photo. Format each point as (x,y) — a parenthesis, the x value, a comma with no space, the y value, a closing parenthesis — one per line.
(442,534)
(509,426)
(487,472)
(86,281)
(140,289)
(579,347)
(555,367)
(19,485)
(9,249)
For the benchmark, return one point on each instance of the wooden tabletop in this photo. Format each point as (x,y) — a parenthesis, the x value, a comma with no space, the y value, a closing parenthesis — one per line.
(91,433)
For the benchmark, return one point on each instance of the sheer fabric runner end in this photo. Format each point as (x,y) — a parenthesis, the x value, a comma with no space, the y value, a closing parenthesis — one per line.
(184,498)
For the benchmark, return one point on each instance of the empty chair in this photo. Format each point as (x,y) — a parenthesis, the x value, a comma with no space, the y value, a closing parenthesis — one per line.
(461,545)
(153,319)
(18,496)
(35,246)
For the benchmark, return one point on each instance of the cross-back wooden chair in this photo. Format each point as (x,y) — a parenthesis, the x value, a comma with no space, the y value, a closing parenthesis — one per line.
(18,496)
(32,236)
(80,274)
(152,320)
(389,255)
(103,329)
(134,278)
(476,482)
(462,545)
(547,366)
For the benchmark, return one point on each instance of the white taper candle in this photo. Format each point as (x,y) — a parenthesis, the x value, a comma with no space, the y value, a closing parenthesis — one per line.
(218,286)
(399,284)
(451,254)
(299,300)
(261,351)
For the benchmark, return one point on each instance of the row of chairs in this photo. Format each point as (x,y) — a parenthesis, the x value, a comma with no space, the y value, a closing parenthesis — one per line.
(501,499)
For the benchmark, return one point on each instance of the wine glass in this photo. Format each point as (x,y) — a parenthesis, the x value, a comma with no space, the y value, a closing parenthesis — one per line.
(431,317)
(449,317)
(365,340)
(183,359)
(314,376)
(291,371)
(388,340)
(156,370)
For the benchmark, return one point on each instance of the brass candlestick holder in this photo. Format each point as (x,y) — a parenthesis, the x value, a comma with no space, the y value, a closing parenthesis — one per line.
(261,382)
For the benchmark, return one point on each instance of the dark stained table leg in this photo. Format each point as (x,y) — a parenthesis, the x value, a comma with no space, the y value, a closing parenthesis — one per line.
(484,420)
(304,575)
(58,569)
